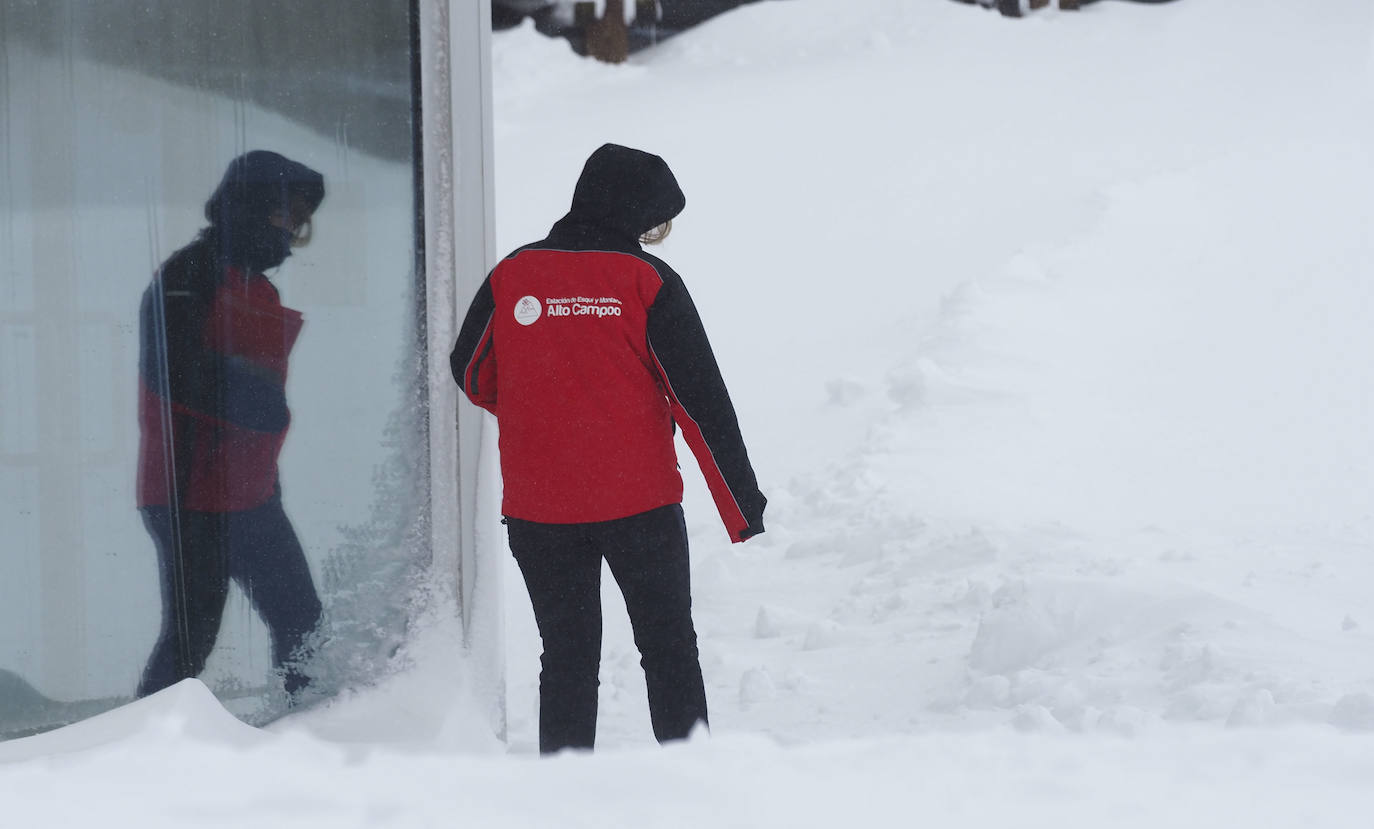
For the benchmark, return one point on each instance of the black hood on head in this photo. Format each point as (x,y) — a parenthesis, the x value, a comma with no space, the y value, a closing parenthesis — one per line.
(626,190)
(255,185)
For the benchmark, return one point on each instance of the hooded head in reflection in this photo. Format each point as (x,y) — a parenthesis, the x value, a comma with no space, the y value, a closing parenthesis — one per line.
(262,208)
(215,340)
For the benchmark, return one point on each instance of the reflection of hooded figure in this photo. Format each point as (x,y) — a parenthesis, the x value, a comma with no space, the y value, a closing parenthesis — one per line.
(212,413)
(588,350)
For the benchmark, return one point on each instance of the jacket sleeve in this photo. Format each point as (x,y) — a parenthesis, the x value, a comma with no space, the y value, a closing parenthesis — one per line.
(179,366)
(701,407)
(473,360)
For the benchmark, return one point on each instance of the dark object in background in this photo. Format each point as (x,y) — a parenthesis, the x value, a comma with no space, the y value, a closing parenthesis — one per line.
(1012,8)
(507,14)
(608,38)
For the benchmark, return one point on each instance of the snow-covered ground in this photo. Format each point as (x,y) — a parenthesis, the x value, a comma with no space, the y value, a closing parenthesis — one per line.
(1050,339)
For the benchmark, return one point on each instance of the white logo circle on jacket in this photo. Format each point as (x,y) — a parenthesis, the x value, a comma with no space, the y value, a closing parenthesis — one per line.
(527,310)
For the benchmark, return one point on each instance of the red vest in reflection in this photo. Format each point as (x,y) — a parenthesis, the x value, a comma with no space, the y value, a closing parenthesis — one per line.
(189,446)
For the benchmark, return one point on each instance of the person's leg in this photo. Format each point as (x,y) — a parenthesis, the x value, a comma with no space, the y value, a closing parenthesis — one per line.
(648,556)
(268,563)
(563,577)
(194,574)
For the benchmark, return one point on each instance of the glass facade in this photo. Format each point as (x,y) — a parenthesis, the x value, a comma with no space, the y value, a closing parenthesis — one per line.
(214,413)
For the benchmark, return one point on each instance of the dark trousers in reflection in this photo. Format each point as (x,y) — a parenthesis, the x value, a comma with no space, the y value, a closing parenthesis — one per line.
(258,549)
(648,557)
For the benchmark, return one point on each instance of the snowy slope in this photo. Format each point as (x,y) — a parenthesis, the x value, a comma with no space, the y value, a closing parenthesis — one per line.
(1049,339)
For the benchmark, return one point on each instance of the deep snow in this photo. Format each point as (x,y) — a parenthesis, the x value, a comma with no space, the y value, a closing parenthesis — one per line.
(1049,339)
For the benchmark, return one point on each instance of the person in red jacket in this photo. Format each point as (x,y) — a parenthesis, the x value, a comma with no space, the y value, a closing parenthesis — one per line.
(590,352)
(214,343)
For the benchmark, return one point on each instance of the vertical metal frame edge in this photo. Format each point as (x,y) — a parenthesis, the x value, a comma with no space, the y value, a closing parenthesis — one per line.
(437,188)
(459,242)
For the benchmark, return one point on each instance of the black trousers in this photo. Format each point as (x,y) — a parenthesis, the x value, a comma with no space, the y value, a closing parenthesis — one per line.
(198,555)
(561,564)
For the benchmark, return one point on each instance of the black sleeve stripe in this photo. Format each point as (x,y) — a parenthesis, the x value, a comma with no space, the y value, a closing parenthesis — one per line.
(696,427)
(475,333)
(483,351)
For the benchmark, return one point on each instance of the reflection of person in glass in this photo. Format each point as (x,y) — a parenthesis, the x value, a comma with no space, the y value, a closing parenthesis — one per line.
(212,411)
(588,349)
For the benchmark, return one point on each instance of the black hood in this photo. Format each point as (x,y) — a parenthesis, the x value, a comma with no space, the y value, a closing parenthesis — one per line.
(255,185)
(626,191)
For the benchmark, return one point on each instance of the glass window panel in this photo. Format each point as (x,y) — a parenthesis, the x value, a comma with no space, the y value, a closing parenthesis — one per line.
(135,330)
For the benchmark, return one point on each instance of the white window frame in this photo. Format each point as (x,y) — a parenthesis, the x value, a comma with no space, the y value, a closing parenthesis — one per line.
(457,164)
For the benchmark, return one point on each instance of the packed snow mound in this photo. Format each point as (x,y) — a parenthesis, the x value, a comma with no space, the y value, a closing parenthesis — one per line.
(432,701)
(1091,655)
(184,713)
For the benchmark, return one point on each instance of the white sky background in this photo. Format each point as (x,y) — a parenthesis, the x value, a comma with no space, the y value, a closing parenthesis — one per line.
(1050,340)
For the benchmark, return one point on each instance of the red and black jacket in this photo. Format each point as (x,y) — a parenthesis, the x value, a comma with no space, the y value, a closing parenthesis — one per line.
(588,350)
(212,377)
